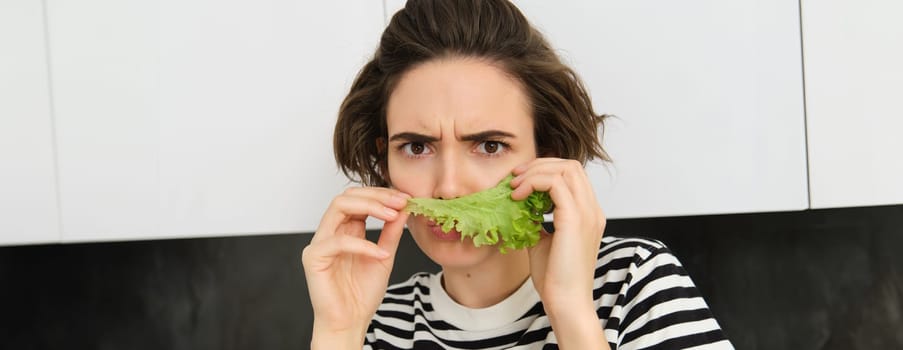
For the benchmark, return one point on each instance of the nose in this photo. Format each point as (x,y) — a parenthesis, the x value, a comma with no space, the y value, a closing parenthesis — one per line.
(451,179)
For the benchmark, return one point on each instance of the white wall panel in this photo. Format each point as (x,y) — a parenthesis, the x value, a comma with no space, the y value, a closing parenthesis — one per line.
(708,96)
(854,89)
(105,59)
(194,118)
(28,193)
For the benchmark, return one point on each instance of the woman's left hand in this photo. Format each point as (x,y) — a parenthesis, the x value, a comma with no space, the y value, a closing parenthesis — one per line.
(563,264)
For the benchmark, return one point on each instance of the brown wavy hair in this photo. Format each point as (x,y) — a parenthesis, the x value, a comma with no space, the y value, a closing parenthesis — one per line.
(565,124)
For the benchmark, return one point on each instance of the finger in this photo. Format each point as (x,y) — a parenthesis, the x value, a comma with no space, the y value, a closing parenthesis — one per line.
(388,196)
(577,181)
(572,171)
(545,168)
(358,204)
(523,167)
(556,187)
(319,256)
(391,234)
(539,165)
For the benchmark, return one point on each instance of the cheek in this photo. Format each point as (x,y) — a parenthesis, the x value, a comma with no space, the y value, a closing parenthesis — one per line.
(408,179)
(412,184)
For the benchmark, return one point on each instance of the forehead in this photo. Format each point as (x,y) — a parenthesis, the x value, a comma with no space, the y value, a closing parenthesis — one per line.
(464,95)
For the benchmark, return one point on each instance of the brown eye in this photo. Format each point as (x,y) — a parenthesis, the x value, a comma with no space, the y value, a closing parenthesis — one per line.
(415,149)
(491,147)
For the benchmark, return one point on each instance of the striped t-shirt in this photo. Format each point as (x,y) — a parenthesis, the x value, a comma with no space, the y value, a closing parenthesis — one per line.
(644,300)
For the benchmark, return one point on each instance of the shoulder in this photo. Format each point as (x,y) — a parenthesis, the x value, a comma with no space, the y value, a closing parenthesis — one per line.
(644,244)
(649,298)
(634,250)
(625,264)
(643,264)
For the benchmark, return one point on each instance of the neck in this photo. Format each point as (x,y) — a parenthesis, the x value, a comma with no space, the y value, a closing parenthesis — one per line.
(488,283)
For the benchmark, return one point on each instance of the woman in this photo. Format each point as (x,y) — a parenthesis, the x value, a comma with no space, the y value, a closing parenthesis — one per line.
(459,95)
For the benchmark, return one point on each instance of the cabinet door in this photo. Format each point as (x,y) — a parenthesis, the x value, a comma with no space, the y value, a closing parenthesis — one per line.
(200,117)
(708,96)
(28,193)
(854,84)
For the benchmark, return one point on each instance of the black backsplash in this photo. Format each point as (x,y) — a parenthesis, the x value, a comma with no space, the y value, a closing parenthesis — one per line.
(818,279)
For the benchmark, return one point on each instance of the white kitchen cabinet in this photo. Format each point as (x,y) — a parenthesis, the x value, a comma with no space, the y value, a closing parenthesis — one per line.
(28,193)
(854,87)
(198,118)
(708,95)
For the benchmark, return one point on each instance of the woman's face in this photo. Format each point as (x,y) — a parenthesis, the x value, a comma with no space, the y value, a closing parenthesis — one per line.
(455,127)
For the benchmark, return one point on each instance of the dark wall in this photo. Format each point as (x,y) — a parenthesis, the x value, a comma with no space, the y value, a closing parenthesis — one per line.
(822,279)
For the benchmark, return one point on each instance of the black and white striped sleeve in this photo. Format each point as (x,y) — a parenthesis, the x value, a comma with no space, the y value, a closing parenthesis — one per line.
(659,307)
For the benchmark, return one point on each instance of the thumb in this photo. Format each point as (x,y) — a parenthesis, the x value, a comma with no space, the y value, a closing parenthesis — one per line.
(391,233)
(545,238)
(539,253)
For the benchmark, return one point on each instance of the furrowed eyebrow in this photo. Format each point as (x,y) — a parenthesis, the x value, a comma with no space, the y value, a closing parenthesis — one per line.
(485,135)
(413,137)
(421,138)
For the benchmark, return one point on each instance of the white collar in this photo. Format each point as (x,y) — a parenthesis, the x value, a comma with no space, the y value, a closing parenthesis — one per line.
(469,319)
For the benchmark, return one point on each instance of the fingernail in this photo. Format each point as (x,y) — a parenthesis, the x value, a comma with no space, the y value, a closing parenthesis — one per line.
(390,212)
(399,200)
(515,181)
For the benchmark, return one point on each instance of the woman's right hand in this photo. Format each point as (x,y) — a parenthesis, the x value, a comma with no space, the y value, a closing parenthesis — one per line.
(347,275)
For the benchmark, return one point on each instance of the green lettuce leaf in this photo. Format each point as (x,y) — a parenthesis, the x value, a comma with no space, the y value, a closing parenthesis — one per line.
(489,217)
